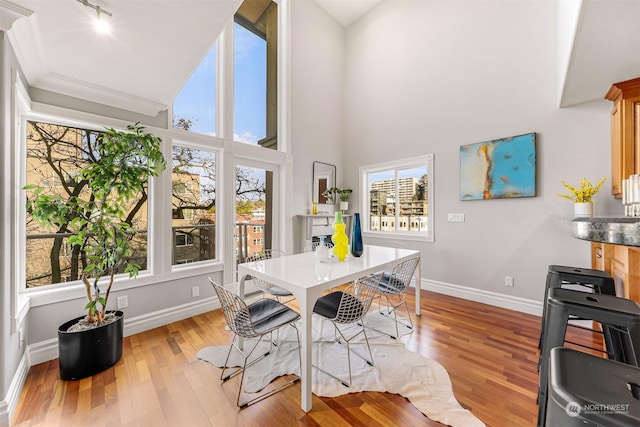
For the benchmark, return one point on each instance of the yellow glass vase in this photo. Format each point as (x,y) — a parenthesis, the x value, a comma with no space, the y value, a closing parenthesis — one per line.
(339,238)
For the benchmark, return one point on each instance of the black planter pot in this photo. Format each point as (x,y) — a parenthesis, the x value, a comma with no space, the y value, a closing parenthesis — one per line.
(86,353)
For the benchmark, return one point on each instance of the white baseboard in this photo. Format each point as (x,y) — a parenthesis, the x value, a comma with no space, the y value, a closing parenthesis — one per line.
(8,406)
(48,350)
(159,318)
(486,297)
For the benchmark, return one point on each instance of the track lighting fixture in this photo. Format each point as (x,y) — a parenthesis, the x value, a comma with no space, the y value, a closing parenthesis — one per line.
(101,24)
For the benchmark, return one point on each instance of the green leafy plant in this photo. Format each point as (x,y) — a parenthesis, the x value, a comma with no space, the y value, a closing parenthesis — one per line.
(583,194)
(97,220)
(334,192)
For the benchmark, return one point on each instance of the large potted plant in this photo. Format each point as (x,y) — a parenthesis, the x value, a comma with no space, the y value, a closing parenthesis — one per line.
(101,230)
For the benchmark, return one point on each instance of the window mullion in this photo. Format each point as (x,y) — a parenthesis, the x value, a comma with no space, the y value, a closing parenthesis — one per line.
(397,199)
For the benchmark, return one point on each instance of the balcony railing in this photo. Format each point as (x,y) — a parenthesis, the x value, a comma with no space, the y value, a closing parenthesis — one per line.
(191,243)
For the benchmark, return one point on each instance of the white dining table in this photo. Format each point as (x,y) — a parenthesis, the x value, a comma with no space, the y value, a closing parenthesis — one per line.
(307,279)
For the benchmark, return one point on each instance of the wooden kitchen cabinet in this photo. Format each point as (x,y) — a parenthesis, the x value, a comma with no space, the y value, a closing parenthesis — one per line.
(622,263)
(625,132)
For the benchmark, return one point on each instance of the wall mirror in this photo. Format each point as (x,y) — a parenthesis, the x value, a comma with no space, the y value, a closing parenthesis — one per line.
(324,177)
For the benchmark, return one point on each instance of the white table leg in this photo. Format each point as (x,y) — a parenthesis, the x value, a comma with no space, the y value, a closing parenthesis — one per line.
(418,287)
(306,310)
(240,293)
(240,287)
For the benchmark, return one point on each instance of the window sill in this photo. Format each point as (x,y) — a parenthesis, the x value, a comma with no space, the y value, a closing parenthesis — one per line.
(65,292)
(398,236)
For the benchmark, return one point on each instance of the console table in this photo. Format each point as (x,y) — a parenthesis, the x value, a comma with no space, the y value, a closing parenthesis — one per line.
(319,225)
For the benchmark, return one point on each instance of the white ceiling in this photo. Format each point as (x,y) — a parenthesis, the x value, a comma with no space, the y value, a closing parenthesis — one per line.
(156,44)
(606,49)
(347,12)
(153,48)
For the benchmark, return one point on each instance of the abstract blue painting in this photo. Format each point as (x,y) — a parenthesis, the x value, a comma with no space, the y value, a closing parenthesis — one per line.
(499,169)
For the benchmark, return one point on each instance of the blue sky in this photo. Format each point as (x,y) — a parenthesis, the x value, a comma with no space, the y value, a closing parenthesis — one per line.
(196,101)
(403,173)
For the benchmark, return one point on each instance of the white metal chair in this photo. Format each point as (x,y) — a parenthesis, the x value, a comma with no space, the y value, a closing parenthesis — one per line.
(348,307)
(311,247)
(253,321)
(267,288)
(392,286)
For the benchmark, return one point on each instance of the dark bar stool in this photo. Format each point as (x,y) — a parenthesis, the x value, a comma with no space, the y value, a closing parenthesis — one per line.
(585,390)
(620,314)
(598,281)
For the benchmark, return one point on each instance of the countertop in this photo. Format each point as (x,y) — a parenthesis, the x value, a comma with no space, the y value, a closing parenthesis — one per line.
(619,231)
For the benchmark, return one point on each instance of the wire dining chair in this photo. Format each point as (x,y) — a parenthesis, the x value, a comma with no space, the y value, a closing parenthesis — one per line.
(346,308)
(255,320)
(393,286)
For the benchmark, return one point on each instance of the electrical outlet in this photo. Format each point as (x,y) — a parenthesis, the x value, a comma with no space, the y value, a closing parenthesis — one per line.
(123,302)
(508,281)
(195,291)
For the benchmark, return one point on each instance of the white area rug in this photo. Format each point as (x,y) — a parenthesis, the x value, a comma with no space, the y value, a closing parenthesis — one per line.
(396,370)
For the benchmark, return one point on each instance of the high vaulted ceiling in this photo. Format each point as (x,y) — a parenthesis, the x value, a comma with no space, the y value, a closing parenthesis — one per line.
(347,12)
(155,45)
(153,48)
(605,50)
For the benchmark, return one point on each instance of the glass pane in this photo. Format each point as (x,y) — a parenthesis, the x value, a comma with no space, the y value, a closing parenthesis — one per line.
(253,211)
(413,192)
(55,155)
(194,109)
(250,86)
(193,210)
(382,200)
(398,200)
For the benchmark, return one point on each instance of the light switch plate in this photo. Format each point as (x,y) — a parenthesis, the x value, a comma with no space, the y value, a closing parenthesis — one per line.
(455,217)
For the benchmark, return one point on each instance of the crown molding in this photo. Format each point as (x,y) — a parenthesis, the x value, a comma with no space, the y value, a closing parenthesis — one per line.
(26,41)
(10,13)
(89,92)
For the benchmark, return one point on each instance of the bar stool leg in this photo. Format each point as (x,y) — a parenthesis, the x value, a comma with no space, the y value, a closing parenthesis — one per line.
(558,317)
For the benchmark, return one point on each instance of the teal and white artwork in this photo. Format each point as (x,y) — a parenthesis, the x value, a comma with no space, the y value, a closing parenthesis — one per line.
(498,169)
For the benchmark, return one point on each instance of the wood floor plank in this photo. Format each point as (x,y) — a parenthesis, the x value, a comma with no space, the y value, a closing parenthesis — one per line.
(490,353)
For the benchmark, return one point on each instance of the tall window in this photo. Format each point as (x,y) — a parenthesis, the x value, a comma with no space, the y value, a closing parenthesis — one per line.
(250,86)
(55,154)
(254,81)
(194,109)
(255,73)
(253,210)
(398,197)
(193,202)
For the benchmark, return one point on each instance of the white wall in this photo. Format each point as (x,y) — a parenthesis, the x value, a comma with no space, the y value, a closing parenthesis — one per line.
(427,77)
(5,294)
(10,348)
(317,88)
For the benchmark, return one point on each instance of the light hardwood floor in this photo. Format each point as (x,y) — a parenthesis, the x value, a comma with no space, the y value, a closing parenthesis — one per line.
(490,353)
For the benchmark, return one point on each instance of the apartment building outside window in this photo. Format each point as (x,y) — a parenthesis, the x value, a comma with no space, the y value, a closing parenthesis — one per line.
(397,198)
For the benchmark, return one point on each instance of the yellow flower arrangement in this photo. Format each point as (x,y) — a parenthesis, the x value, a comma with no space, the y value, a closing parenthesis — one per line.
(585,193)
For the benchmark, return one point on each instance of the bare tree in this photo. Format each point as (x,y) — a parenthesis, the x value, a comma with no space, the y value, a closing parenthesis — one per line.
(55,155)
